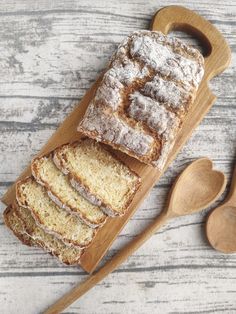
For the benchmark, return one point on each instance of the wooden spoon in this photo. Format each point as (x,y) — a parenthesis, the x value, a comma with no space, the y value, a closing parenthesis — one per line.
(196,188)
(221,223)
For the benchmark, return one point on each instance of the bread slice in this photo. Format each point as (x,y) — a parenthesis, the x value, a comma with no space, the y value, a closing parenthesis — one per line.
(144,96)
(63,194)
(66,254)
(13,222)
(50,217)
(98,175)
(20,220)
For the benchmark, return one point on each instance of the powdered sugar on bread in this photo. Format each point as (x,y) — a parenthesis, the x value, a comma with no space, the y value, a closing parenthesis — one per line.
(149,64)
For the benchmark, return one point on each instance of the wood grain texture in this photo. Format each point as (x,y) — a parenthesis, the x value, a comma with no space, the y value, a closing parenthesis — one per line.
(50,55)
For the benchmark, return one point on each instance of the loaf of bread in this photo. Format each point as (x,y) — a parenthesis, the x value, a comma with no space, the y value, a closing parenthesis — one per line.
(50,217)
(63,194)
(144,96)
(99,176)
(21,222)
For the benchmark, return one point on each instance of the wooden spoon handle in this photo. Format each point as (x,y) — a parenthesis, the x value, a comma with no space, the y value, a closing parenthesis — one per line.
(111,265)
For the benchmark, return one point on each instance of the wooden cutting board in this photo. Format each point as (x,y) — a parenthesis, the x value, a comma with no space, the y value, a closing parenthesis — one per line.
(216,60)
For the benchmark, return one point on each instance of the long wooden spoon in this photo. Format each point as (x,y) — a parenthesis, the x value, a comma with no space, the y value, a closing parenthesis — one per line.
(221,223)
(196,188)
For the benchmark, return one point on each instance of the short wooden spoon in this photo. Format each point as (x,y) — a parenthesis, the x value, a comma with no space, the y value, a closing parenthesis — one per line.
(196,188)
(221,223)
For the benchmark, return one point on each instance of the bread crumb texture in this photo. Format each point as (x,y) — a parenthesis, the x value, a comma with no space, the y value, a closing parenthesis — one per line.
(51,217)
(107,178)
(45,172)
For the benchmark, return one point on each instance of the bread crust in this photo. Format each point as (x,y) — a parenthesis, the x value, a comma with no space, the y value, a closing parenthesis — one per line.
(84,189)
(59,202)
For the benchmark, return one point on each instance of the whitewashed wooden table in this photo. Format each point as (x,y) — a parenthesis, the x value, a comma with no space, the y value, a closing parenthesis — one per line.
(50,53)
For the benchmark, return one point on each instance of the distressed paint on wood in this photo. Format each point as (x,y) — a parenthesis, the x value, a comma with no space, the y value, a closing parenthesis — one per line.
(51,52)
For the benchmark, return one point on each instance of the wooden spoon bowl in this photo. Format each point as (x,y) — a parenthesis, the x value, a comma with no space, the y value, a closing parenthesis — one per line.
(221,229)
(221,223)
(196,188)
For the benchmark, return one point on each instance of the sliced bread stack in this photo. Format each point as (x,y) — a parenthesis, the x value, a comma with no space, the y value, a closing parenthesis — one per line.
(107,182)
(21,222)
(69,196)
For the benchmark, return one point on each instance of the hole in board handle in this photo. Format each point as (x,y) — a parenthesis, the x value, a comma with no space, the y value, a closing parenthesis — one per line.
(192,37)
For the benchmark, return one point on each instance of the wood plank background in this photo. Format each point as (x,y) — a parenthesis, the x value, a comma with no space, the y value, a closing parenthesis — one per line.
(50,53)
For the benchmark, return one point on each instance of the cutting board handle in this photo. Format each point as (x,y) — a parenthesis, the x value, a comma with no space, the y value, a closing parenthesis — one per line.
(174,17)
